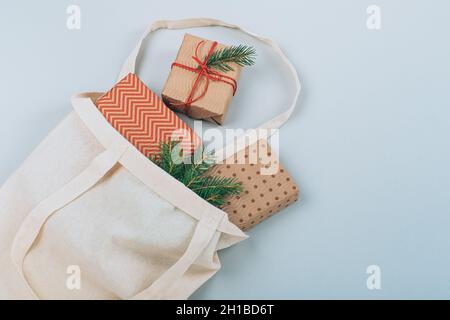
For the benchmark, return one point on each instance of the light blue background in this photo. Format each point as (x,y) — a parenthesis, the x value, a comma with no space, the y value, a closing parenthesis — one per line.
(368,144)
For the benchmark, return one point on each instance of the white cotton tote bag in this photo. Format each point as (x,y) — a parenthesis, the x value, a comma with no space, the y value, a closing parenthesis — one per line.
(87,216)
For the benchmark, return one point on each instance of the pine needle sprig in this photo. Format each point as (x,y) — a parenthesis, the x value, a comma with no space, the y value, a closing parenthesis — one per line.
(216,189)
(193,173)
(242,55)
(167,159)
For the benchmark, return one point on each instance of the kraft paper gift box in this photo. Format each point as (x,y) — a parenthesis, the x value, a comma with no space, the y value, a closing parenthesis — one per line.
(143,119)
(213,105)
(264,194)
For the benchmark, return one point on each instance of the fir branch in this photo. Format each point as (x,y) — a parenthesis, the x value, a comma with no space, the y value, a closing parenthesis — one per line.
(242,55)
(213,189)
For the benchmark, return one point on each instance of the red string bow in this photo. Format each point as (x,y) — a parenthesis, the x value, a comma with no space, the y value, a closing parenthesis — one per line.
(204,71)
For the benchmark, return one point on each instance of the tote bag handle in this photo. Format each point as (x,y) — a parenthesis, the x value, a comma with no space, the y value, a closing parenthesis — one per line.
(130,64)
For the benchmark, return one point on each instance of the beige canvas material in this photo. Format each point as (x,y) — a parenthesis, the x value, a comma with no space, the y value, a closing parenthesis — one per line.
(213,106)
(87,200)
(134,231)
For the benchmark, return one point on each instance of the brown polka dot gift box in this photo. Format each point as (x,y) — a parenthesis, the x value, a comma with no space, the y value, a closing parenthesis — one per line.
(267,186)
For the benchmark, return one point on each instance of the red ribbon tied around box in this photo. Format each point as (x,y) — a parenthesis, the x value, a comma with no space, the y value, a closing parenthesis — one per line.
(204,71)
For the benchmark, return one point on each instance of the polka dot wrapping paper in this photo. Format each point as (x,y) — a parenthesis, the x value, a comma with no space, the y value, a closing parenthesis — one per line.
(263,195)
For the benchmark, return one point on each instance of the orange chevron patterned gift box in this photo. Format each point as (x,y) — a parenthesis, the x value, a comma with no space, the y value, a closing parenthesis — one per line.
(143,119)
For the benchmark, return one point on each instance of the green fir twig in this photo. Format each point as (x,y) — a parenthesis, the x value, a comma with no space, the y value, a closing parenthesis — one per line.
(242,55)
(193,174)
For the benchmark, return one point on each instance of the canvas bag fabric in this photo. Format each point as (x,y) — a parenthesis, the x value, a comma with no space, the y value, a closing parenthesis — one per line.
(87,201)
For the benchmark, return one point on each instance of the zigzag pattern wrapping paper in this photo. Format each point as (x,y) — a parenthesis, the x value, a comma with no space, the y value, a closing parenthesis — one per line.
(142,118)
